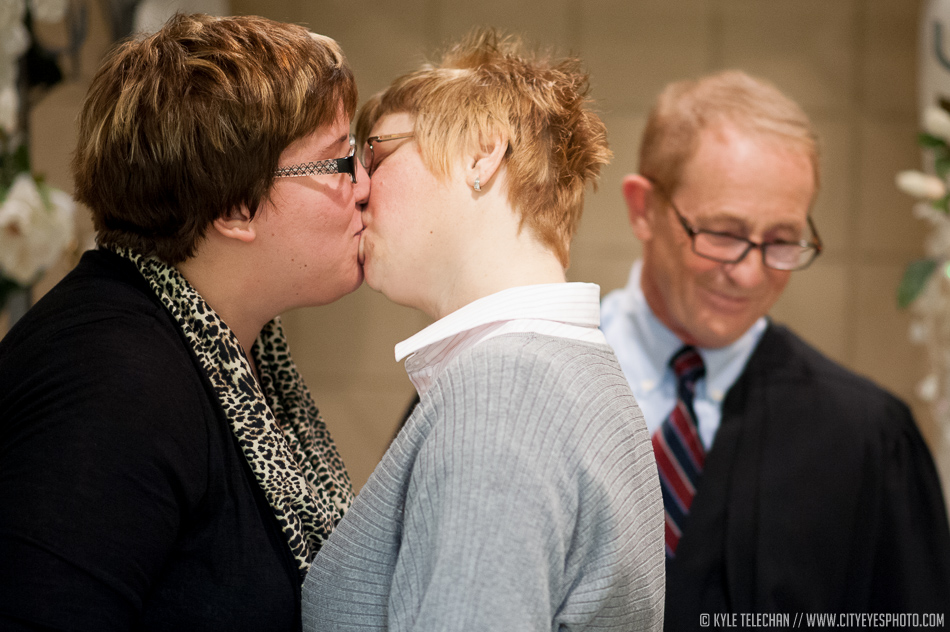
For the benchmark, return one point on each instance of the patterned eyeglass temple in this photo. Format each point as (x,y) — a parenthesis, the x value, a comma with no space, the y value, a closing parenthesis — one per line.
(323,167)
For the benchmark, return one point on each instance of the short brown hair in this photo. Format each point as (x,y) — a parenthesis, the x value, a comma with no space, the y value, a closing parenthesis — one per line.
(488,85)
(685,108)
(180,127)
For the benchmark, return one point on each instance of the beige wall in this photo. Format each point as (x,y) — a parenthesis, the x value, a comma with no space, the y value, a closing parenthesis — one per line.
(850,63)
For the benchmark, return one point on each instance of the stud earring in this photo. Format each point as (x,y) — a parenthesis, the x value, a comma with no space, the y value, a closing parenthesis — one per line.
(478,185)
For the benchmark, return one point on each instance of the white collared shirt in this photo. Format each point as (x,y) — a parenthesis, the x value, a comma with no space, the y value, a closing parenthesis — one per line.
(644,347)
(566,310)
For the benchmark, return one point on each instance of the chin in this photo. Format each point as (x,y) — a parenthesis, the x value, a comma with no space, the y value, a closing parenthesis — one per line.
(398,293)
(355,284)
(337,291)
(378,281)
(370,278)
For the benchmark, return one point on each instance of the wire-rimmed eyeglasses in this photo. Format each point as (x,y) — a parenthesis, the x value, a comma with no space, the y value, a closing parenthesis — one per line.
(729,248)
(347,164)
(368,153)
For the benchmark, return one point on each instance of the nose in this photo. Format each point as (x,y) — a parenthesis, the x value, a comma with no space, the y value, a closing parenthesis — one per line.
(362,185)
(750,272)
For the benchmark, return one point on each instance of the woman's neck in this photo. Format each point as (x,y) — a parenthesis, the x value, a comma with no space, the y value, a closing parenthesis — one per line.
(222,287)
(495,262)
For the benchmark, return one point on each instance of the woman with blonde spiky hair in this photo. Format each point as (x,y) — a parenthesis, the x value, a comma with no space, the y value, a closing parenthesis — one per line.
(162,465)
(522,492)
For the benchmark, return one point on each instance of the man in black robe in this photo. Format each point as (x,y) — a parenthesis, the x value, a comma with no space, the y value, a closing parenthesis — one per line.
(791,485)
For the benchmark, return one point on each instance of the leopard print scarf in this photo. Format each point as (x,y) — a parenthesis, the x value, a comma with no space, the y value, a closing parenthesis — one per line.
(283,437)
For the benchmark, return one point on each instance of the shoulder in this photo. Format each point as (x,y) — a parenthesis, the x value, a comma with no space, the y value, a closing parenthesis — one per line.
(541,354)
(782,356)
(102,301)
(101,319)
(107,360)
(562,406)
(817,400)
(531,367)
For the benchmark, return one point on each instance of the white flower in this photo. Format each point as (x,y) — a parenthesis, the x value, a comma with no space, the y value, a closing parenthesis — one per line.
(49,10)
(11,12)
(9,109)
(937,122)
(33,236)
(14,40)
(921,185)
(928,388)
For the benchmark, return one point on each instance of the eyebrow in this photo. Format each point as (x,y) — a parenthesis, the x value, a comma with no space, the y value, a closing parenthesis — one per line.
(743,226)
(325,149)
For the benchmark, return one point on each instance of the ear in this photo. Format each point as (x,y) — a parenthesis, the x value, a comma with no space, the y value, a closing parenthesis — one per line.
(485,161)
(637,192)
(237,224)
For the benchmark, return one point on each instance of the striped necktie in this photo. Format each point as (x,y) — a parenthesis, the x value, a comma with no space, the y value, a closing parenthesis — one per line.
(679,452)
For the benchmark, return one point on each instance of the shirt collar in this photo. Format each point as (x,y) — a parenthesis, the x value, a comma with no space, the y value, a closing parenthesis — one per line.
(571,303)
(723,365)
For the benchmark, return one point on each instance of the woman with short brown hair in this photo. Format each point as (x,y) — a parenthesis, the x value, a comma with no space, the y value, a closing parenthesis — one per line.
(162,465)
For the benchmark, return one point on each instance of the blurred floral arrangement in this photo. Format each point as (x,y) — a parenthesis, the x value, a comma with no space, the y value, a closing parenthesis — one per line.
(36,220)
(925,286)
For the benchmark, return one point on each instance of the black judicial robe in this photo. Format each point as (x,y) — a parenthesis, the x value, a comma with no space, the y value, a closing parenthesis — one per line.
(818,495)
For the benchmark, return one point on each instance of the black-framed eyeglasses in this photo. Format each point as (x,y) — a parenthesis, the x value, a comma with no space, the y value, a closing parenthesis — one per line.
(327,167)
(368,153)
(729,248)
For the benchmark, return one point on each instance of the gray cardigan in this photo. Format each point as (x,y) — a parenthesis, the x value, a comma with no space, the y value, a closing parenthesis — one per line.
(521,495)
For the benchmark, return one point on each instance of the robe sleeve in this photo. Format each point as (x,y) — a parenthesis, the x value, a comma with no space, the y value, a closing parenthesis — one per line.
(912,567)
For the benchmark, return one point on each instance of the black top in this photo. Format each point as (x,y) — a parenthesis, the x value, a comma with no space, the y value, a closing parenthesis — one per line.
(818,496)
(125,501)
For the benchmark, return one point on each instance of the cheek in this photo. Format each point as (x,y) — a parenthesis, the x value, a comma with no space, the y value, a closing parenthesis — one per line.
(342,208)
(777,280)
(696,271)
(699,266)
(396,224)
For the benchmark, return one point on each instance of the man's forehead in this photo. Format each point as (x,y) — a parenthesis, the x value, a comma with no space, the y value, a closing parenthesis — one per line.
(739,140)
(748,179)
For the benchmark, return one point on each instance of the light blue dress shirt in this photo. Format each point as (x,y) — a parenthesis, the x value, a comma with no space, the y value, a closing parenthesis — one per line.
(644,347)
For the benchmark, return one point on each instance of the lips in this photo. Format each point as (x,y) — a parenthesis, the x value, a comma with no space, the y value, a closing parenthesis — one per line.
(360,255)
